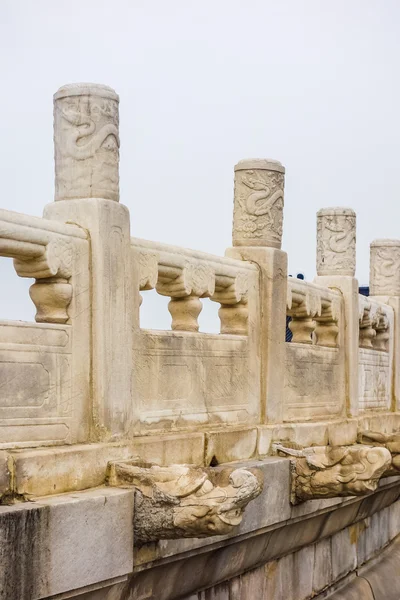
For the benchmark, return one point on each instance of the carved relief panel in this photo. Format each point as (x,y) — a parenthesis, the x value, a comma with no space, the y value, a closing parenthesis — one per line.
(86,140)
(314,382)
(258,208)
(36,400)
(336,241)
(385,268)
(182,379)
(374,379)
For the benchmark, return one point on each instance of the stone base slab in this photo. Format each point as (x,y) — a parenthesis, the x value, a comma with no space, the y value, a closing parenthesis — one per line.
(64,543)
(76,544)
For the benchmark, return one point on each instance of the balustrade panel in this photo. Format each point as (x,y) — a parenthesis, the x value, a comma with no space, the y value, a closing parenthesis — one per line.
(184,377)
(314,368)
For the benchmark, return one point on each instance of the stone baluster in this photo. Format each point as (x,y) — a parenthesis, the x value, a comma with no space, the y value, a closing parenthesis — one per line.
(196,280)
(384,285)
(302,328)
(367,333)
(52,291)
(234,310)
(382,334)
(336,263)
(257,236)
(327,329)
(86,140)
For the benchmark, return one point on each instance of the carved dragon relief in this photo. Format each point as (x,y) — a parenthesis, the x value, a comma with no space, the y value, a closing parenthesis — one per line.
(260,204)
(385,268)
(85,138)
(87,142)
(330,472)
(181,501)
(390,441)
(336,243)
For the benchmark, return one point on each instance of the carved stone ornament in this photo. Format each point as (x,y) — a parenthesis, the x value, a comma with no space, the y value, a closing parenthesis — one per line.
(336,241)
(148,270)
(329,472)
(258,204)
(385,268)
(86,142)
(56,261)
(391,441)
(181,501)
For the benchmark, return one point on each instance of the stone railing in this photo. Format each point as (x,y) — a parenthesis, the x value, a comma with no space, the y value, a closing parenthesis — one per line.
(375,354)
(315,313)
(44,366)
(142,423)
(186,276)
(315,358)
(184,377)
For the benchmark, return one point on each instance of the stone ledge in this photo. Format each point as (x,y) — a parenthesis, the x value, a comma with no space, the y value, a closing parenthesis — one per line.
(341,432)
(230,445)
(62,469)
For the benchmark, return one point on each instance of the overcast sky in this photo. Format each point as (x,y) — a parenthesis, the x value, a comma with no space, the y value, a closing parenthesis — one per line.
(312,83)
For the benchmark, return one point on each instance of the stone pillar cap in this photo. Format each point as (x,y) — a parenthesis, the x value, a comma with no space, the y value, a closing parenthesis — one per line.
(376,243)
(260,163)
(335,210)
(86,89)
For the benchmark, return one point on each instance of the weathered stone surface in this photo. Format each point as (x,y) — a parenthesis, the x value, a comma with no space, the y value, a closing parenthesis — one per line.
(5,475)
(181,501)
(336,241)
(371,535)
(65,542)
(226,446)
(170,449)
(86,139)
(88,382)
(358,588)
(327,472)
(389,441)
(322,568)
(258,212)
(115,302)
(344,554)
(383,575)
(342,433)
(43,472)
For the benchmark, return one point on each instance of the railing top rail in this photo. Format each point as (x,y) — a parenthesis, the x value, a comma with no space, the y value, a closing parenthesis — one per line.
(177,256)
(15,218)
(302,287)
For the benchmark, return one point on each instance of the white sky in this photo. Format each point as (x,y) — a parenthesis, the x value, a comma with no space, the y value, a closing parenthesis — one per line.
(314,84)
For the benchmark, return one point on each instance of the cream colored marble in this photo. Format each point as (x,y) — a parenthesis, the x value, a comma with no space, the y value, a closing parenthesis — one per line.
(336,471)
(84,386)
(258,212)
(86,142)
(181,501)
(336,247)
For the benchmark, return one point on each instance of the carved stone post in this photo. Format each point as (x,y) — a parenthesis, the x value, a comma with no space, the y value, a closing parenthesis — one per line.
(257,236)
(336,265)
(86,142)
(336,242)
(384,282)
